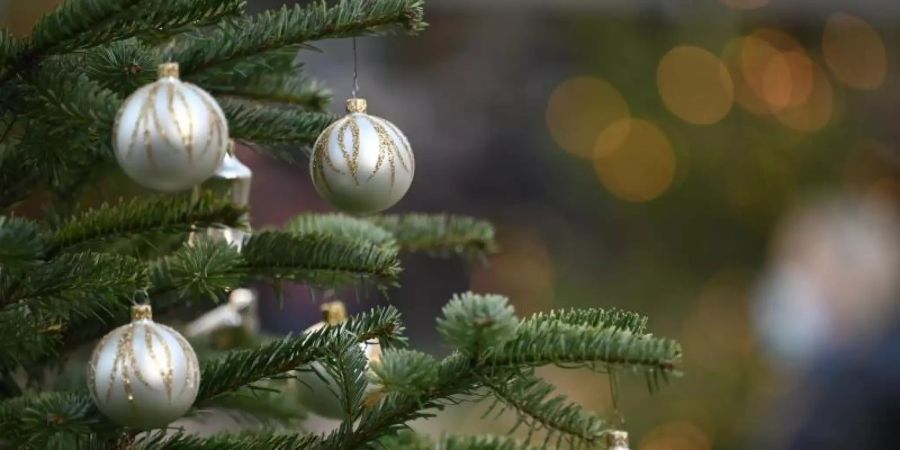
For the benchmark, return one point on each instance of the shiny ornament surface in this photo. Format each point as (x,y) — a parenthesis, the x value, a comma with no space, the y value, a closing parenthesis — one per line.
(143,375)
(232,180)
(362,163)
(170,135)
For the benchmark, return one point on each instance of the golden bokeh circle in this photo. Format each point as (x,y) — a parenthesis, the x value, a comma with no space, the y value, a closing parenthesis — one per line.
(695,85)
(817,111)
(579,109)
(744,95)
(854,52)
(634,160)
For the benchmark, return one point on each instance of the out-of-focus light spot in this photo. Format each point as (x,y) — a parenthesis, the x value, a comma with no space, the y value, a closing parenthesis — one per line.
(634,160)
(744,95)
(523,272)
(720,311)
(676,436)
(695,85)
(580,109)
(816,112)
(745,4)
(854,52)
(777,68)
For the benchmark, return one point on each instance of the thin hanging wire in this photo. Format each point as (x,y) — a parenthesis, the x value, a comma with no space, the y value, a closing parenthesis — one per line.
(355,72)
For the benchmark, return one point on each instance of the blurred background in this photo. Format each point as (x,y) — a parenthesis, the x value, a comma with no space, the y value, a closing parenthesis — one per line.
(730,168)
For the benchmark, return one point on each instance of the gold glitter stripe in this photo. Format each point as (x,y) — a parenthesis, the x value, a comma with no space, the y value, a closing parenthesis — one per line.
(406,146)
(385,146)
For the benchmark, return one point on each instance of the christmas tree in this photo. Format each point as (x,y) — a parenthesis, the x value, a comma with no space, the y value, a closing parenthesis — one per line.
(73,272)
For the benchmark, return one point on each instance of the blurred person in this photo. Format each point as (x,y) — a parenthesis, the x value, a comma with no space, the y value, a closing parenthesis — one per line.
(827,313)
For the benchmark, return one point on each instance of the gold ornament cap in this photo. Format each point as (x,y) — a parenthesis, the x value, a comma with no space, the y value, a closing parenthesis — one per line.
(141,312)
(169,69)
(334,313)
(356,105)
(617,440)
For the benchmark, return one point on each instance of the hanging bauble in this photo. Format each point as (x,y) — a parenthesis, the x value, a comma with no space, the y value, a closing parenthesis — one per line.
(143,375)
(170,135)
(316,391)
(362,163)
(231,180)
(617,440)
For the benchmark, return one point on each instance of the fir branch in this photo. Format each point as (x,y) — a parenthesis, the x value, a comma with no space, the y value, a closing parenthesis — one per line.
(50,420)
(402,370)
(551,342)
(319,259)
(75,21)
(389,416)
(239,39)
(240,368)
(440,234)
(533,400)
(208,268)
(346,363)
(248,440)
(473,323)
(21,245)
(122,66)
(272,125)
(613,318)
(41,304)
(9,46)
(68,101)
(341,225)
(142,216)
(277,88)
(486,442)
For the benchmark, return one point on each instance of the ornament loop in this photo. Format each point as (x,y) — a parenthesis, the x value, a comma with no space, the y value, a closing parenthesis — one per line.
(617,439)
(334,312)
(356,105)
(141,312)
(169,69)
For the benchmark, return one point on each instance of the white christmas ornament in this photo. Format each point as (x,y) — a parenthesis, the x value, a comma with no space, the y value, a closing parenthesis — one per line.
(143,374)
(362,163)
(170,135)
(233,178)
(318,394)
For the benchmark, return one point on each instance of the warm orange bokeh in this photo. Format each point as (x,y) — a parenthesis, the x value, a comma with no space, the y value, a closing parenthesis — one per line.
(695,85)
(676,436)
(817,111)
(580,109)
(854,52)
(634,160)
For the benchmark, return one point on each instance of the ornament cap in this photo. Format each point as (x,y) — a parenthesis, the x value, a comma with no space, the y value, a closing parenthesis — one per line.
(356,105)
(334,312)
(141,312)
(169,69)
(617,440)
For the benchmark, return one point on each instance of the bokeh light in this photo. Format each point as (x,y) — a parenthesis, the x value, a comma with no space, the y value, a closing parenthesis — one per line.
(777,68)
(817,111)
(695,85)
(744,95)
(854,52)
(580,109)
(524,272)
(745,4)
(634,160)
(676,436)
